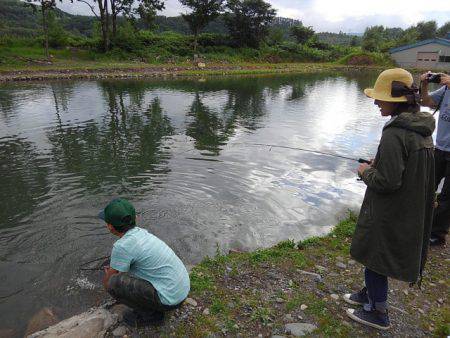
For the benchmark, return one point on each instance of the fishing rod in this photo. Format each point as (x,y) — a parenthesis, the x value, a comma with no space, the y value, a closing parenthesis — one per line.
(360,160)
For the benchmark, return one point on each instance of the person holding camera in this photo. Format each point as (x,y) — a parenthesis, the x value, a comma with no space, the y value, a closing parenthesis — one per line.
(440,100)
(392,233)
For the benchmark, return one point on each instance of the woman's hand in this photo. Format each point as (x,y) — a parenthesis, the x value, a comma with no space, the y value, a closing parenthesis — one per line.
(362,168)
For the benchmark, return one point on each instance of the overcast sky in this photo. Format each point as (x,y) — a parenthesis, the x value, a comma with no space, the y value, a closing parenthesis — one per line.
(335,15)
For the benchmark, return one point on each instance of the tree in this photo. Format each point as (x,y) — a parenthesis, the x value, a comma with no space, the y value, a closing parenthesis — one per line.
(373,38)
(426,30)
(203,12)
(44,6)
(147,10)
(248,21)
(444,30)
(302,34)
(103,9)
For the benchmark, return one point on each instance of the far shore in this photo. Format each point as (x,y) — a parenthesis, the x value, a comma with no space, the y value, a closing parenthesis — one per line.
(92,70)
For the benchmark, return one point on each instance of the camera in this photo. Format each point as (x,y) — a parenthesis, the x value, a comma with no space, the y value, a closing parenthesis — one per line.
(434,78)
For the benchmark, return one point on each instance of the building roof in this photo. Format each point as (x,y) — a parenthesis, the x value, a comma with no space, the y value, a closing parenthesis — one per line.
(440,41)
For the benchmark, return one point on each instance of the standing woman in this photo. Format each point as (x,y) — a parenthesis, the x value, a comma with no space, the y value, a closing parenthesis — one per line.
(394,224)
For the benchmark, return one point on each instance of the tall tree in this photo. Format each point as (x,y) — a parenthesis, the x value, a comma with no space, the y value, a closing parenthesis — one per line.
(203,12)
(373,38)
(444,30)
(426,30)
(147,10)
(103,9)
(248,21)
(301,33)
(44,6)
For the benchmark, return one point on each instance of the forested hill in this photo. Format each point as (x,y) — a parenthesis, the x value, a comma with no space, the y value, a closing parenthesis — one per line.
(16,19)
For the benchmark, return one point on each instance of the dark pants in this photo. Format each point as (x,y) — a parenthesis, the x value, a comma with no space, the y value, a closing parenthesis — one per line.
(377,289)
(441,219)
(136,293)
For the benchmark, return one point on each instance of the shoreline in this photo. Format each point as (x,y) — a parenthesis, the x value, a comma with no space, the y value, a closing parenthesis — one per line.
(284,290)
(124,71)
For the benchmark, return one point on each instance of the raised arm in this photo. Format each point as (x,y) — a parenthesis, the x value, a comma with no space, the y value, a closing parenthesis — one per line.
(387,173)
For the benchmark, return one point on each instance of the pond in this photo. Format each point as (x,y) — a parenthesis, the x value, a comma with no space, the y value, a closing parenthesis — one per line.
(193,155)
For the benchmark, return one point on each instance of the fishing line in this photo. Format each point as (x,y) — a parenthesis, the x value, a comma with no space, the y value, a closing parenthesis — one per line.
(360,160)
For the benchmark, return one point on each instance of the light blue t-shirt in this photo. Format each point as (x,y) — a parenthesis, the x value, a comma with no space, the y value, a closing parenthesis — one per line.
(443,130)
(147,257)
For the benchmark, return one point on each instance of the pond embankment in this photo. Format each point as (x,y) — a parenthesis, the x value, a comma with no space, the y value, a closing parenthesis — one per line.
(291,289)
(132,70)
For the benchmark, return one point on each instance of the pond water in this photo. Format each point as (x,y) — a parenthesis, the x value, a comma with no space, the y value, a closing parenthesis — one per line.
(184,152)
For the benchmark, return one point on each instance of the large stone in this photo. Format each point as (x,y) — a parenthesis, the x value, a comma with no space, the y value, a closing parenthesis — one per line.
(41,320)
(90,324)
(120,331)
(191,302)
(299,329)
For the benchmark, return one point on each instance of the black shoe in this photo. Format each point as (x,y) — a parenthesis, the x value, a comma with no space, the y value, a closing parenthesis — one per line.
(357,298)
(437,240)
(374,318)
(135,318)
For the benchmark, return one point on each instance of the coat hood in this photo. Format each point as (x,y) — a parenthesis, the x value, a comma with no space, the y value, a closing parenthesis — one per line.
(421,122)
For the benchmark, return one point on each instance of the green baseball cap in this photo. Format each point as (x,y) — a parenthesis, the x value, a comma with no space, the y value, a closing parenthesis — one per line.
(119,212)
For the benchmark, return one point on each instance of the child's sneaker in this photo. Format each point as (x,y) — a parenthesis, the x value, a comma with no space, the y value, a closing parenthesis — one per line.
(357,298)
(374,318)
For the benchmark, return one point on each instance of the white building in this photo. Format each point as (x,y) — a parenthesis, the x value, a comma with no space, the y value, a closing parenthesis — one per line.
(432,54)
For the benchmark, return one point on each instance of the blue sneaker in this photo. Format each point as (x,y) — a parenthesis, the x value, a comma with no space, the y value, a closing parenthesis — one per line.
(374,318)
(357,298)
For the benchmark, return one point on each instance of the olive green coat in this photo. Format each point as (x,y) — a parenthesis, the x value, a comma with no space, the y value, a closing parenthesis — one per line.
(394,224)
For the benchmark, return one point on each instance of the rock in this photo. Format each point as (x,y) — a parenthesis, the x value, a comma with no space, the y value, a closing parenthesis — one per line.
(235,326)
(345,323)
(421,311)
(277,336)
(440,301)
(260,335)
(299,329)
(279,300)
(191,302)
(201,65)
(334,296)
(41,320)
(119,310)
(341,265)
(321,268)
(206,312)
(351,262)
(303,307)
(120,331)
(406,292)
(339,258)
(317,277)
(288,317)
(93,323)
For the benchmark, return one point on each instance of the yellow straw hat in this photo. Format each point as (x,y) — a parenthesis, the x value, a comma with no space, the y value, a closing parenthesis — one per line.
(383,85)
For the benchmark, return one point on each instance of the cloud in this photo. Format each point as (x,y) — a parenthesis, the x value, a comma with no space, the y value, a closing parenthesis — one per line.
(335,16)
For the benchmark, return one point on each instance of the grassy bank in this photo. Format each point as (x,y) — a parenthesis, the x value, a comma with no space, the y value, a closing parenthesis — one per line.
(115,69)
(258,293)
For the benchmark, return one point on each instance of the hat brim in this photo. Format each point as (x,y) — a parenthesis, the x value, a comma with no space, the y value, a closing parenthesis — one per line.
(370,92)
(101,215)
